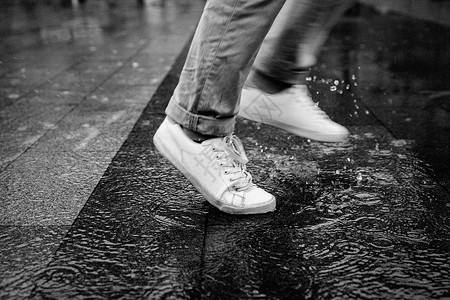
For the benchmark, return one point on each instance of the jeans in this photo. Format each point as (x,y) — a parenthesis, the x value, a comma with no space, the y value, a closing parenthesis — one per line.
(279,38)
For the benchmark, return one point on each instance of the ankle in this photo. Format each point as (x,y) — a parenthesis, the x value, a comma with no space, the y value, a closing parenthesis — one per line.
(196,136)
(265,83)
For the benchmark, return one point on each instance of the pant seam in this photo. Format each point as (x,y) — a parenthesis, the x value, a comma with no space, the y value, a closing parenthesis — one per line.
(218,47)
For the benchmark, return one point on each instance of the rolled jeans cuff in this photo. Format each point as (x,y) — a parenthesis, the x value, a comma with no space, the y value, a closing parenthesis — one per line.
(199,123)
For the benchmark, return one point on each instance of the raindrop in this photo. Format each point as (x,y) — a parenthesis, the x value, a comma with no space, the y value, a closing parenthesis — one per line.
(336,82)
(338,172)
(333,88)
(377,147)
(359,177)
(135,65)
(354,76)
(367,112)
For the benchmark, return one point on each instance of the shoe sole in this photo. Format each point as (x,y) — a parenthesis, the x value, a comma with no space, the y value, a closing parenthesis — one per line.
(270,206)
(335,138)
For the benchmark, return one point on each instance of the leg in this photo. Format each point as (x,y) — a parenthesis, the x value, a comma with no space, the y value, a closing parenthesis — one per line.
(297,36)
(226,41)
(276,92)
(206,101)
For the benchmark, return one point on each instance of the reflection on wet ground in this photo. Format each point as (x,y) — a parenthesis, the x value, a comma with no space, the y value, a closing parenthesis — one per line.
(364,219)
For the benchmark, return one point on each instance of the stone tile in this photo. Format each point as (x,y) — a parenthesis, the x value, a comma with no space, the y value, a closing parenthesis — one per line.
(429,127)
(10,94)
(79,80)
(23,123)
(40,188)
(28,76)
(95,125)
(135,233)
(26,250)
(125,94)
(133,73)
(437,161)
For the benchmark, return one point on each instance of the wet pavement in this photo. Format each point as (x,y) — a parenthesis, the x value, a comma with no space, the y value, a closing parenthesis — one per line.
(91,211)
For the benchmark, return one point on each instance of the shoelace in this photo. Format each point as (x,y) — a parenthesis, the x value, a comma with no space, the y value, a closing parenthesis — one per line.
(308,102)
(232,156)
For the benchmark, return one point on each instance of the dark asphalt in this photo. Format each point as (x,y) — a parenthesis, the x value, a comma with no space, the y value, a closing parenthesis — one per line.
(90,210)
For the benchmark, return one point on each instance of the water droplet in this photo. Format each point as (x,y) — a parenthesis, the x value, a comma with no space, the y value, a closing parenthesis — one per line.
(13,96)
(135,64)
(333,88)
(359,177)
(336,82)
(338,172)
(354,76)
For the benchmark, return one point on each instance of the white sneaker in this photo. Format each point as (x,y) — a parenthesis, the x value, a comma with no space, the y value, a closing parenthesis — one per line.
(216,167)
(292,110)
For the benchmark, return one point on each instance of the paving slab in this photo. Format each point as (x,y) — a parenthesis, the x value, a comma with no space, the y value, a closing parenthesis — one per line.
(364,219)
(26,250)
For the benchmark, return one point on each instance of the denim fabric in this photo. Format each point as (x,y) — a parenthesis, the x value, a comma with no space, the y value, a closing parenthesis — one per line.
(225,46)
(296,38)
